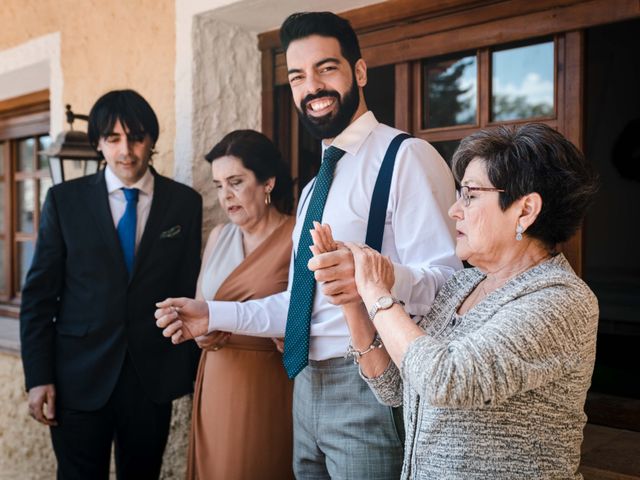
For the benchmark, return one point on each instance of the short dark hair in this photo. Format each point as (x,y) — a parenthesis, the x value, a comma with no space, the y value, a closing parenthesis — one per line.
(127,106)
(534,158)
(261,156)
(326,24)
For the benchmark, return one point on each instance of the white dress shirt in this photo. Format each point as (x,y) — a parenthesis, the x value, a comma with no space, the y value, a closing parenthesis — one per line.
(418,235)
(118,203)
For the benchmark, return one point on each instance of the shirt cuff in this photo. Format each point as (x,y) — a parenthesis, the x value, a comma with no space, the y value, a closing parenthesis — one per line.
(403,276)
(222,316)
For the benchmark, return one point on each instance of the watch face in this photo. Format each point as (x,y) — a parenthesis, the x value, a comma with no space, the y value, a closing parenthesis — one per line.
(385,302)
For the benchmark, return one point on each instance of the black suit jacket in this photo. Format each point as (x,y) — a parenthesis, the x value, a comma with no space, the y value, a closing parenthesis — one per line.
(81,312)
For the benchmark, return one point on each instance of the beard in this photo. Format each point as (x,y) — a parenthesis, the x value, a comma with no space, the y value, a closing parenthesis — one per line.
(332,124)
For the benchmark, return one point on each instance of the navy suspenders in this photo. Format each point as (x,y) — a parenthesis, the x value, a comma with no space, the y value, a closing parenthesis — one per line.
(380,197)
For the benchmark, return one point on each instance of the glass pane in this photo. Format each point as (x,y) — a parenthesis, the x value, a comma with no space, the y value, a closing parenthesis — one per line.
(44,142)
(25,255)
(449,91)
(2,146)
(3,283)
(522,82)
(26,150)
(446,149)
(24,205)
(45,184)
(380,93)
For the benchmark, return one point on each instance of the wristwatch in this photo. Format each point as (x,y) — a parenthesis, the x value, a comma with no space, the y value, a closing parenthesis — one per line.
(383,303)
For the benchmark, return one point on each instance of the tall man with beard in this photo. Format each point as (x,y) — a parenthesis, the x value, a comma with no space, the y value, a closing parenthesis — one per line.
(340,430)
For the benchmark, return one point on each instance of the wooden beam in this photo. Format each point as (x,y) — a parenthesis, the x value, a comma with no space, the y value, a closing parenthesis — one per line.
(25,125)
(267,94)
(384,14)
(25,101)
(573,126)
(496,32)
(403,98)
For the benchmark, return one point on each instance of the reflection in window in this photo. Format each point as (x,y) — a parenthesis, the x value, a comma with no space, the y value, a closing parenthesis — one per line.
(379,92)
(449,91)
(24,206)
(1,212)
(25,255)
(446,149)
(522,82)
(1,158)
(3,283)
(26,151)
(44,143)
(45,185)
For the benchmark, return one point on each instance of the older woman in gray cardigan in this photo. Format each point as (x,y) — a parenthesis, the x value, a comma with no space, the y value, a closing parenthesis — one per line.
(493,380)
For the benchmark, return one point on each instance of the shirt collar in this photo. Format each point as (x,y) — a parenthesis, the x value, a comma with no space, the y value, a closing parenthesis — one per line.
(145,184)
(351,138)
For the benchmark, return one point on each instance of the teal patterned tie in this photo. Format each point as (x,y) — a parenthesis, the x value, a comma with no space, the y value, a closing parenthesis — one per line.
(296,338)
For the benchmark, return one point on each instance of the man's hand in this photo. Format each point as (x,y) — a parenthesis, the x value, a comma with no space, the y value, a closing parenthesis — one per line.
(334,271)
(42,404)
(182,318)
(279,342)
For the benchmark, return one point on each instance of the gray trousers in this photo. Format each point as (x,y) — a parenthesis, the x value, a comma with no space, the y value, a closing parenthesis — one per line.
(340,431)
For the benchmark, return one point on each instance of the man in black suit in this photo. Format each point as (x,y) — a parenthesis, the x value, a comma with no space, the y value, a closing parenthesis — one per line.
(109,246)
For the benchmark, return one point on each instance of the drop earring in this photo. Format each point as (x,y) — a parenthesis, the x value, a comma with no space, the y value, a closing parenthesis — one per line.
(519,231)
(267,198)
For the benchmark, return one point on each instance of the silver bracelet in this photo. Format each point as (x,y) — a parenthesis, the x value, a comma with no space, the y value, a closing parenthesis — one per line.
(356,354)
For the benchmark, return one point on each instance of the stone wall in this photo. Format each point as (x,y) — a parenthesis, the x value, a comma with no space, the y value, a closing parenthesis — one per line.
(25,449)
(226,96)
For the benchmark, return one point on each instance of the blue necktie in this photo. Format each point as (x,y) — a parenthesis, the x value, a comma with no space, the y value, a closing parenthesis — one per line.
(296,338)
(127,227)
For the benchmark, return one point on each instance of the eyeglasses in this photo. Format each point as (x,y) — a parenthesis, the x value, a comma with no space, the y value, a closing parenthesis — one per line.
(464,192)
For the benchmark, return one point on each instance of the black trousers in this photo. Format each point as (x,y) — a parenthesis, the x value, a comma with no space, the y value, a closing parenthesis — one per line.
(138,427)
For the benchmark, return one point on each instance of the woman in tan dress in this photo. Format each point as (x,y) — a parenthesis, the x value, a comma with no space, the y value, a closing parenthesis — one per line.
(242,426)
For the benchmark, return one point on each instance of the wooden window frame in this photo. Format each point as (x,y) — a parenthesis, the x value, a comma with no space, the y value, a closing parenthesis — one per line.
(401,32)
(484,82)
(21,117)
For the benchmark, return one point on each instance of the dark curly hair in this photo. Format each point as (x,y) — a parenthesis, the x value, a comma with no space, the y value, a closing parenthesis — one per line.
(534,158)
(261,156)
(326,24)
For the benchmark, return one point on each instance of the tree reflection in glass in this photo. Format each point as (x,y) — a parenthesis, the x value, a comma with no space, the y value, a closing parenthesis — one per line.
(25,196)
(25,255)
(522,82)
(449,91)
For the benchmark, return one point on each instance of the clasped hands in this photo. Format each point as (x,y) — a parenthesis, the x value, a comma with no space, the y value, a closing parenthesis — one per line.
(346,273)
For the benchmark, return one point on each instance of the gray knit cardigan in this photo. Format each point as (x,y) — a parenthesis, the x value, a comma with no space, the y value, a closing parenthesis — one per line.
(499,392)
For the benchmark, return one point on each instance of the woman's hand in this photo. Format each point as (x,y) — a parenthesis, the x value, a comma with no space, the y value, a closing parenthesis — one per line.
(213,341)
(374,273)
